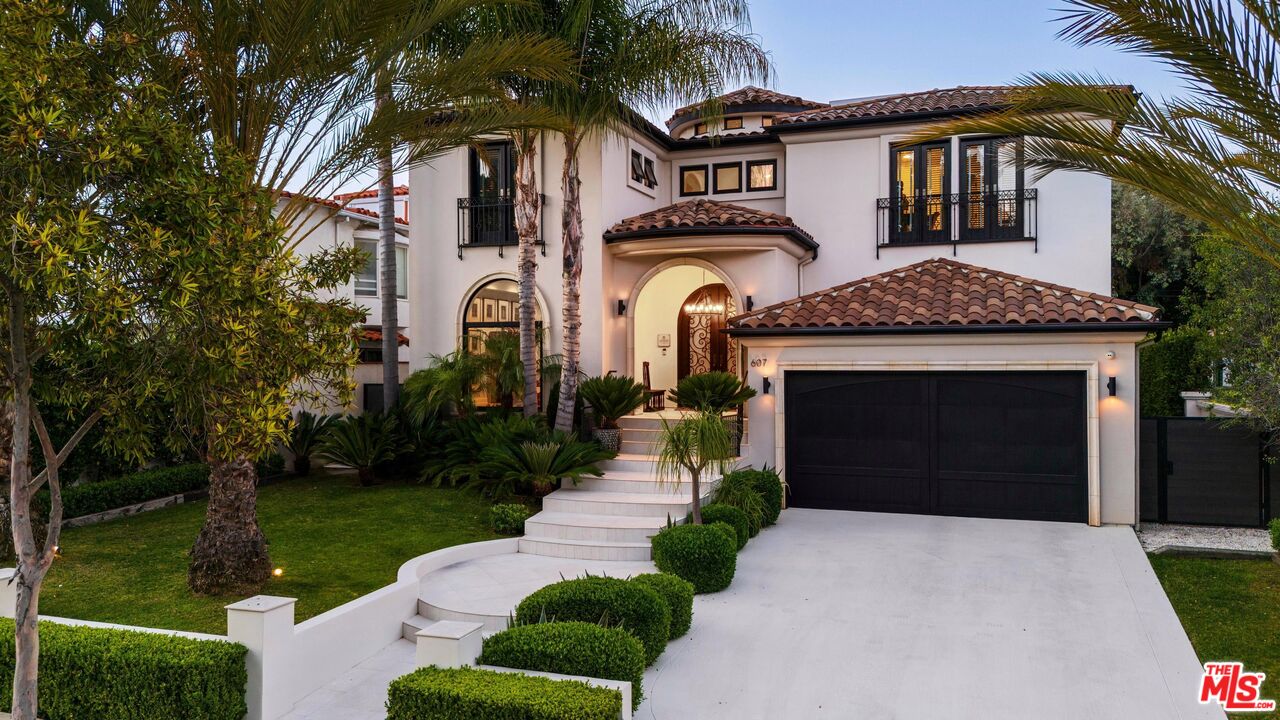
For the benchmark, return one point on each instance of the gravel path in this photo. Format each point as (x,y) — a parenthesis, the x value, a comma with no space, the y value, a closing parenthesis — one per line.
(1156,535)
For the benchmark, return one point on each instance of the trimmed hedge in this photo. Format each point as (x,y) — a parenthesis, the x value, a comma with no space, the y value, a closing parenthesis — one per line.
(701,554)
(570,648)
(769,484)
(727,530)
(730,515)
(607,601)
(97,497)
(508,519)
(1275,534)
(434,693)
(678,595)
(88,672)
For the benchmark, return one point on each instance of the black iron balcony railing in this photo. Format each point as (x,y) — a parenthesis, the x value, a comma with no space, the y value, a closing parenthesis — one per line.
(490,222)
(956,218)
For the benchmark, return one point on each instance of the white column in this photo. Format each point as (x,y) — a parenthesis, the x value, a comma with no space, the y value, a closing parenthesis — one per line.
(8,592)
(264,625)
(449,644)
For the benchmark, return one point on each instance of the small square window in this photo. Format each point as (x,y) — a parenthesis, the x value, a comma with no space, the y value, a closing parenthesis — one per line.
(637,166)
(762,175)
(700,129)
(733,123)
(650,175)
(728,177)
(766,121)
(693,180)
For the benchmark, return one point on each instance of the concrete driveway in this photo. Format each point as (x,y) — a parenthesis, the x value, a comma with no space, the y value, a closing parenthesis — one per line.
(866,615)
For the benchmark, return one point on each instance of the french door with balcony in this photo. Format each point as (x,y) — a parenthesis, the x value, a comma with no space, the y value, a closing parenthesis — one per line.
(919,178)
(991,189)
(491,213)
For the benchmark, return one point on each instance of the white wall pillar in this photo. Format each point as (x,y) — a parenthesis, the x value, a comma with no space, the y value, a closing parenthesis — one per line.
(449,644)
(8,593)
(264,625)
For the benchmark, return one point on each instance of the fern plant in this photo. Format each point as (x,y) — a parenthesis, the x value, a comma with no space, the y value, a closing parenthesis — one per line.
(305,434)
(714,392)
(362,442)
(540,464)
(699,442)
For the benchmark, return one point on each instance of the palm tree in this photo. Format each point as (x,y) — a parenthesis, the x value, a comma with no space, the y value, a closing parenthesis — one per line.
(698,442)
(280,92)
(633,54)
(1213,154)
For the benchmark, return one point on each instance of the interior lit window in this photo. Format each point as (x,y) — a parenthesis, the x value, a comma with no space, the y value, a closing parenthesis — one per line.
(700,129)
(766,121)
(693,180)
(728,177)
(762,175)
(733,123)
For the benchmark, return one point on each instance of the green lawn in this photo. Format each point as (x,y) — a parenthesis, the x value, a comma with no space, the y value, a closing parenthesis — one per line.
(1231,611)
(334,540)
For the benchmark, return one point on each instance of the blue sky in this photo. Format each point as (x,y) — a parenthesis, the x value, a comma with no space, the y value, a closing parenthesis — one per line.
(832,49)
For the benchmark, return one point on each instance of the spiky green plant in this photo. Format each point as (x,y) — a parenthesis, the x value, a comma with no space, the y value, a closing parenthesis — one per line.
(715,391)
(611,397)
(698,442)
(444,387)
(540,464)
(739,489)
(307,431)
(362,442)
(1213,152)
(503,372)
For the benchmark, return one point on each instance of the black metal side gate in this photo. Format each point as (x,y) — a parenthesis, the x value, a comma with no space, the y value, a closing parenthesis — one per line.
(1203,471)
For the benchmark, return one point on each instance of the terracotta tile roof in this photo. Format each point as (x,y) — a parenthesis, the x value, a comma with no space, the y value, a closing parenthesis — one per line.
(374,335)
(944,293)
(364,194)
(749,95)
(706,215)
(984,97)
(340,206)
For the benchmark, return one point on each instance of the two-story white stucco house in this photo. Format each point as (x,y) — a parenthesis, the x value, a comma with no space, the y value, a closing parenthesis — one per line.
(929,327)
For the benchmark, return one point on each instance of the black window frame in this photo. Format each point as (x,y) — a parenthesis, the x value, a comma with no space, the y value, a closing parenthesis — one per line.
(706,179)
(650,173)
(990,197)
(735,118)
(492,221)
(921,201)
(715,177)
(700,128)
(637,166)
(768,120)
(757,163)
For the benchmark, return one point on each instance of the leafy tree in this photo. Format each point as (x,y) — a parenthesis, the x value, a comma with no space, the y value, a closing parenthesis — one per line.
(1154,253)
(1174,363)
(279,95)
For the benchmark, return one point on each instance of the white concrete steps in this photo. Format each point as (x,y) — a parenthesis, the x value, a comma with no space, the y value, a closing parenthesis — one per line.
(600,528)
(633,481)
(428,613)
(586,549)
(598,502)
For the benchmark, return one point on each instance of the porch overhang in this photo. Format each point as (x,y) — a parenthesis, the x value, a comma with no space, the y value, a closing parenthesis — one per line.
(676,240)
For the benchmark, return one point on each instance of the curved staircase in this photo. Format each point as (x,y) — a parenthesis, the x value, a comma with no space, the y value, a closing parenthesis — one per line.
(612,517)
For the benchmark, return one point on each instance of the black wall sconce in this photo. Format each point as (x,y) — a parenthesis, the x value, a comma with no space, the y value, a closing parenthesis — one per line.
(764,387)
(622,307)
(1111,386)
(751,304)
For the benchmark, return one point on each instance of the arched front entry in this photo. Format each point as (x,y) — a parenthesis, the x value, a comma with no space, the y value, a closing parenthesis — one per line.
(489,322)
(659,324)
(701,346)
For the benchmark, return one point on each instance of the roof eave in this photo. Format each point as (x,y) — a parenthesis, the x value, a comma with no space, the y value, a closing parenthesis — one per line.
(895,118)
(1145,326)
(796,235)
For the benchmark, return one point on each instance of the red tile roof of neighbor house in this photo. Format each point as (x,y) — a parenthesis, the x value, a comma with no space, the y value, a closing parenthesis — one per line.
(340,206)
(363,194)
(706,216)
(944,294)
(749,95)
(375,335)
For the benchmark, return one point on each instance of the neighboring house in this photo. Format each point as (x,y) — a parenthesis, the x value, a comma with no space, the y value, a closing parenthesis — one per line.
(341,222)
(929,327)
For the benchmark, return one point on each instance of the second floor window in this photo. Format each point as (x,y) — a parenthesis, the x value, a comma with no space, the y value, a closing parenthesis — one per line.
(490,209)
(991,187)
(367,278)
(918,176)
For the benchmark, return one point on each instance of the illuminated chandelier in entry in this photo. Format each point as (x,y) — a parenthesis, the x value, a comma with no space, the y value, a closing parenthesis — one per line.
(703,304)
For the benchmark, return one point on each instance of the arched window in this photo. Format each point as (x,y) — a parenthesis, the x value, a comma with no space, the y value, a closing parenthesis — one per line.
(494,309)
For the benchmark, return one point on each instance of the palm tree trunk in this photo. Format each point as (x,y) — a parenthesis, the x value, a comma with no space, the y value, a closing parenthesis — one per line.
(572,314)
(387,282)
(528,205)
(230,554)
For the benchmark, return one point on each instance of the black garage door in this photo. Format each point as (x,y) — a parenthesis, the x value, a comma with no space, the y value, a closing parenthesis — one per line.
(982,444)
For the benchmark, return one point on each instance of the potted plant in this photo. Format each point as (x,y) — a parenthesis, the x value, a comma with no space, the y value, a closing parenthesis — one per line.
(611,397)
(540,464)
(305,435)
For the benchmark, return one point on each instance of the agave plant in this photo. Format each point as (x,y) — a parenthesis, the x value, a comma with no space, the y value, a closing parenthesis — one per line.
(713,392)
(362,442)
(699,442)
(541,464)
(306,433)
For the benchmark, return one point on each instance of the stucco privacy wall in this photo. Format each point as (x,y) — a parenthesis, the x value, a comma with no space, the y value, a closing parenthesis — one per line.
(1112,439)
(835,178)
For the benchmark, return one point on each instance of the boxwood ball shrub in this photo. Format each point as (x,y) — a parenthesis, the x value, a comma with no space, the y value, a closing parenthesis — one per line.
(728,530)
(90,672)
(570,648)
(702,554)
(607,601)
(508,519)
(678,594)
(1275,534)
(434,693)
(769,485)
(730,515)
